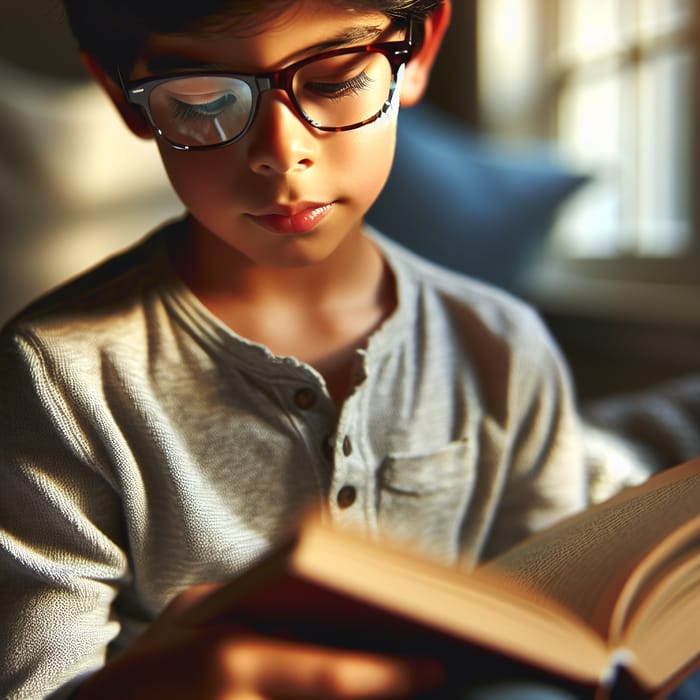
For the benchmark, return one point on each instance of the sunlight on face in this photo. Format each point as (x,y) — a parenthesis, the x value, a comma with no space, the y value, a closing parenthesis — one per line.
(261,194)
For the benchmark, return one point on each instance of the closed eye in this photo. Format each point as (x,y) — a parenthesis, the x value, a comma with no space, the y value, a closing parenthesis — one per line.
(336,91)
(184,109)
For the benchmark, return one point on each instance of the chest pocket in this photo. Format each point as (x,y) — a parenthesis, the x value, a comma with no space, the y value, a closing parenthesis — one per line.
(423,498)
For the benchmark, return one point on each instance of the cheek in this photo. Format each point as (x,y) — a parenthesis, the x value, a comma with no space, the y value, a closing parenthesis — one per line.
(196,177)
(367,156)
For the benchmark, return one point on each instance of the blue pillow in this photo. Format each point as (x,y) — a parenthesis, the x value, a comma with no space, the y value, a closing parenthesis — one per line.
(457,200)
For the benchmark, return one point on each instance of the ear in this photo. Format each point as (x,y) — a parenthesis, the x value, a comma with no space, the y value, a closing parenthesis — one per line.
(132,115)
(418,69)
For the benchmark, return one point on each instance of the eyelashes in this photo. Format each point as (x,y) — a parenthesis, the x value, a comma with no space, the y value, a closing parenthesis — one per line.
(336,91)
(184,110)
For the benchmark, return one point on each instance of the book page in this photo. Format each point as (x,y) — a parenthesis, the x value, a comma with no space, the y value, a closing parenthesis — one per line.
(664,625)
(584,561)
(653,587)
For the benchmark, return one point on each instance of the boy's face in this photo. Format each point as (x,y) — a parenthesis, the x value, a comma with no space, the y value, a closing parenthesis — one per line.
(286,193)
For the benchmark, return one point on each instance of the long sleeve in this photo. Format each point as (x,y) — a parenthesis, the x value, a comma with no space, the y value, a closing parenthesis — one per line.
(60,532)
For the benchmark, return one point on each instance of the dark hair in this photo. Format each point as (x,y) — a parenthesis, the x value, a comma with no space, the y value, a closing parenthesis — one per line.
(114,31)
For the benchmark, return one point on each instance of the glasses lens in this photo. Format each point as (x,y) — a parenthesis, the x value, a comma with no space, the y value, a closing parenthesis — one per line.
(345,90)
(201,110)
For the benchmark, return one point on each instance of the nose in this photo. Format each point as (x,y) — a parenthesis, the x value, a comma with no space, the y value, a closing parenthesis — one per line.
(280,142)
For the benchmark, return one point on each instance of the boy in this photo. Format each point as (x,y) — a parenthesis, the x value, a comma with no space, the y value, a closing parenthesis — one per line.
(169,416)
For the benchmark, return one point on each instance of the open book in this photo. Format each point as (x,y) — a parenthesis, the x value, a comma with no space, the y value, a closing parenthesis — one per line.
(606,602)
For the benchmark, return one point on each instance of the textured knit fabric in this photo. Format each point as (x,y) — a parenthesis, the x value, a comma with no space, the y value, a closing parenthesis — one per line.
(661,422)
(145,447)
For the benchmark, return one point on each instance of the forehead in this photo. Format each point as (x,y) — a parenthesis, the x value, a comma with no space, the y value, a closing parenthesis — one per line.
(263,41)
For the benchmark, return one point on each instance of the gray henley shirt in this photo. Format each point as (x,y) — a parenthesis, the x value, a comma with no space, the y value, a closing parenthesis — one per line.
(145,447)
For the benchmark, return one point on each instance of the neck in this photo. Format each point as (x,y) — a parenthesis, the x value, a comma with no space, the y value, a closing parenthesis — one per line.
(320,313)
(216,271)
(353,281)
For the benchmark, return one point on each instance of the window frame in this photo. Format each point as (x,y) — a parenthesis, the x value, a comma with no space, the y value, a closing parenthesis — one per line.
(644,286)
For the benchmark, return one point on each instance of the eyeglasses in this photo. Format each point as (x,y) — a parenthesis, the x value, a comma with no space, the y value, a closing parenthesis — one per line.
(336,90)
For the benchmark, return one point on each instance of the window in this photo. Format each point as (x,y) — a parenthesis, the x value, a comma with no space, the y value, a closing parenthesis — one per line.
(613,84)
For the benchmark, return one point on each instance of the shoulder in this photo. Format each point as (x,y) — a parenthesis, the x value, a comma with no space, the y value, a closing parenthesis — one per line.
(106,311)
(97,297)
(467,300)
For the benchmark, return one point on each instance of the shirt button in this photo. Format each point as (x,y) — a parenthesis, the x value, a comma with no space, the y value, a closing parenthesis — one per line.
(347,446)
(327,447)
(305,399)
(346,496)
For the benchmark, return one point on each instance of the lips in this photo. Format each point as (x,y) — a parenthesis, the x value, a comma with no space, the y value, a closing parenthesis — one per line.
(293,222)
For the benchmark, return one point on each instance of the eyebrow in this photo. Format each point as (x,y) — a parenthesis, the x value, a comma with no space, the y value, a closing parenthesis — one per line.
(356,35)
